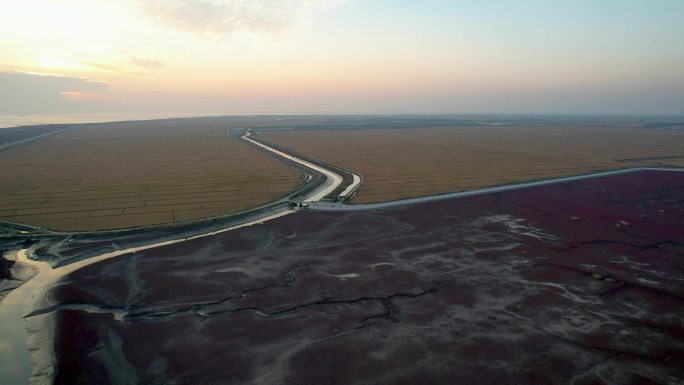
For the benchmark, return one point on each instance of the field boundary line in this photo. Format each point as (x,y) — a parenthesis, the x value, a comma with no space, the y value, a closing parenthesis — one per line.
(324,206)
(11,145)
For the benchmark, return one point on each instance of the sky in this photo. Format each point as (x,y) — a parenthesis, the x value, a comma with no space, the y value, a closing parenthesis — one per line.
(342,56)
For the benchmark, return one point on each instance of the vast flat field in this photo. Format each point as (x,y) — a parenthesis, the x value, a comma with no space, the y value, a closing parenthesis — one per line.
(576,282)
(14,134)
(121,175)
(404,163)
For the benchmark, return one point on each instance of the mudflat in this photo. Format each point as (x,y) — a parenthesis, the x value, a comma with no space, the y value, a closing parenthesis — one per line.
(575,282)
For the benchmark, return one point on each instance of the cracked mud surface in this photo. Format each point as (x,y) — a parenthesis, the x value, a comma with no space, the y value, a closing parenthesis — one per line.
(573,283)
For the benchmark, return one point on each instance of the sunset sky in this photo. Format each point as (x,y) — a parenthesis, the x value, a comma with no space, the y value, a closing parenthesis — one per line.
(354,56)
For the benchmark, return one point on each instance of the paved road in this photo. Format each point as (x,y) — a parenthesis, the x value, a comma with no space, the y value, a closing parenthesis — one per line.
(333,179)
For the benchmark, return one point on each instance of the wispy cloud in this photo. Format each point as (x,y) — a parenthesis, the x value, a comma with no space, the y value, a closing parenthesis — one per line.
(111,68)
(79,95)
(219,19)
(147,63)
(27,93)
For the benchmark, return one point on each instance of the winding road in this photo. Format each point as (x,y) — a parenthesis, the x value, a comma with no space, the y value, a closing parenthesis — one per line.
(333,179)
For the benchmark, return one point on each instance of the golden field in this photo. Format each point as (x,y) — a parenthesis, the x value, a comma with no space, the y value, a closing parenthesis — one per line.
(130,174)
(405,163)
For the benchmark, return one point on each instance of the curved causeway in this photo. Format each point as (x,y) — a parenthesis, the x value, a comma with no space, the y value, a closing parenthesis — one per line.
(333,179)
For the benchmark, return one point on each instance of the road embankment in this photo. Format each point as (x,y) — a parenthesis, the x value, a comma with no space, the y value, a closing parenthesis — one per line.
(343,192)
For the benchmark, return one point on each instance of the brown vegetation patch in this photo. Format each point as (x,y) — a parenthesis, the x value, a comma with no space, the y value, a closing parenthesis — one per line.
(132,174)
(405,163)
